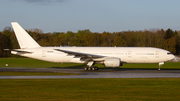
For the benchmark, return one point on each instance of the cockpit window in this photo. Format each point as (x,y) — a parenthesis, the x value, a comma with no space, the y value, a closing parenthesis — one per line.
(169,53)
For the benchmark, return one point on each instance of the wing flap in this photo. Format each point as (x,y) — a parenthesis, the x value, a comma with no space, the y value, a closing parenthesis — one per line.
(82,56)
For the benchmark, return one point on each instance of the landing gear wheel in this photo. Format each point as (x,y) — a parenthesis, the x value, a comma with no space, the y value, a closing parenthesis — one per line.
(89,68)
(85,68)
(93,68)
(96,68)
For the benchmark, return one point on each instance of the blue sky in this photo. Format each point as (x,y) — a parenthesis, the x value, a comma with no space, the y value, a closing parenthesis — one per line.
(95,15)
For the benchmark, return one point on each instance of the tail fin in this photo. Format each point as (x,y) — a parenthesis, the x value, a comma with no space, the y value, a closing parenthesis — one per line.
(24,39)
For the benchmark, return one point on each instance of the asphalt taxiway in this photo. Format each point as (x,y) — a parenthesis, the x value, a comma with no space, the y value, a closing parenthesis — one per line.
(101,73)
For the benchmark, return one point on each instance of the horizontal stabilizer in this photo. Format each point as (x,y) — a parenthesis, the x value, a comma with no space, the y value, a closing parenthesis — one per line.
(19,51)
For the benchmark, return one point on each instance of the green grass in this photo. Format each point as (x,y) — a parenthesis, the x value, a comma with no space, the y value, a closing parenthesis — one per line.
(32,63)
(152,89)
(149,89)
(167,65)
(33,73)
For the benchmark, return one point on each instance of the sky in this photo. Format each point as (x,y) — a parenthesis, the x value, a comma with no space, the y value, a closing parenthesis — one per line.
(95,15)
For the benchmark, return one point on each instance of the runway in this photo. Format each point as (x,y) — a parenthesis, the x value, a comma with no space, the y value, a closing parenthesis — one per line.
(101,73)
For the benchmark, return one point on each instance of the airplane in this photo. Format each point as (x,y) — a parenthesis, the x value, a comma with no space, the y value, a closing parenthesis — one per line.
(109,56)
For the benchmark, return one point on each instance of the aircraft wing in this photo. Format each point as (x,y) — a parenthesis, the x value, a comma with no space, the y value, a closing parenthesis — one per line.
(82,56)
(19,51)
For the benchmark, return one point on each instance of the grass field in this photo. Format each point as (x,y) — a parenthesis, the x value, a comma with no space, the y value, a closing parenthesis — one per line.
(138,89)
(161,89)
(32,63)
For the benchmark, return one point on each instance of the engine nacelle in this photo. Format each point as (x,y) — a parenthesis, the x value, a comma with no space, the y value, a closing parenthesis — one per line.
(112,62)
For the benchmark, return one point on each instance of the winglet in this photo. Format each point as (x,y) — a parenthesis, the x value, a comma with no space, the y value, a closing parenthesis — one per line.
(24,39)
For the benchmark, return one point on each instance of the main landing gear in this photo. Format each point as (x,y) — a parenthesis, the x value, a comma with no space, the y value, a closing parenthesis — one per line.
(90,66)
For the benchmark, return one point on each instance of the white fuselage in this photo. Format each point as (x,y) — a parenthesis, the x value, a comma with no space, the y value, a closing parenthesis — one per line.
(126,54)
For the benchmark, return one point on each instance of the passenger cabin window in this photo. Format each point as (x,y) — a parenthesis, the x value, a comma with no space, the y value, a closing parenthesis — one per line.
(50,51)
(118,53)
(144,53)
(150,53)
(140,53)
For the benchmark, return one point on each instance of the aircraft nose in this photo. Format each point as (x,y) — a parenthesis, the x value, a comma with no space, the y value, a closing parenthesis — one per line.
(171,57)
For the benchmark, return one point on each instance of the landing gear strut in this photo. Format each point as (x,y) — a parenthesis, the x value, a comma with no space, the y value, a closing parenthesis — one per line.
(90,66)
(160,64)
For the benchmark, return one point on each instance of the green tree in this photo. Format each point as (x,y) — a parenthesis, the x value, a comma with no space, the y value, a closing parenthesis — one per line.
(68,37)
(77,40)
(170,44)
(7,44)
(119,42)
(129,37)
(106,39)
(169,34)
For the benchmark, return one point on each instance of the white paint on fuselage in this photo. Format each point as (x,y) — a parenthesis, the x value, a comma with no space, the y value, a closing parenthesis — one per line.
(126,54)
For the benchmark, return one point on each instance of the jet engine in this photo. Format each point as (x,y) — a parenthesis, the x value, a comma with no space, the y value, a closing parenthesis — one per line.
(112,62)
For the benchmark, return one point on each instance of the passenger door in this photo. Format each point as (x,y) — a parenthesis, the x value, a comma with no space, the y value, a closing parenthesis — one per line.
(44,53)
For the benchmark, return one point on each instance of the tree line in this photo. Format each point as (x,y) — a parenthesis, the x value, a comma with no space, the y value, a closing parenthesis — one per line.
(165,39)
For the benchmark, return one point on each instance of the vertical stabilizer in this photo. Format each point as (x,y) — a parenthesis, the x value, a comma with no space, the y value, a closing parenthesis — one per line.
(24,39)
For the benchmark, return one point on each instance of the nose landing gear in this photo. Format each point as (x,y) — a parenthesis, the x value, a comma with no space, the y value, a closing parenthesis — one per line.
(160,64)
